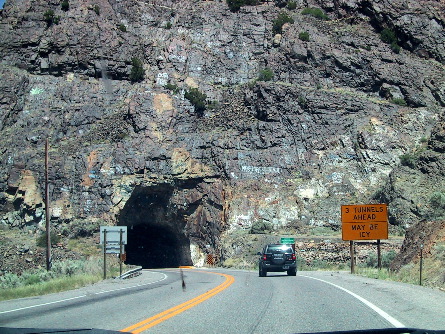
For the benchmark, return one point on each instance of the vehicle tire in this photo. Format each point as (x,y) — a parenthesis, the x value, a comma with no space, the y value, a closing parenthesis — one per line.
(292,272)
(262,272)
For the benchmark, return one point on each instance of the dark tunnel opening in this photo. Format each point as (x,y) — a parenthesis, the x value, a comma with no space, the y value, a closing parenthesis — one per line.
(156,237)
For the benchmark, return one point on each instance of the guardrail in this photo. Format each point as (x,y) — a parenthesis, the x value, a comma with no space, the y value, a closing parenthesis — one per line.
(131,273)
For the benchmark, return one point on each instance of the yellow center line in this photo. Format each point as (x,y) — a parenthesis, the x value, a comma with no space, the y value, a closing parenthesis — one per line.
(167,314)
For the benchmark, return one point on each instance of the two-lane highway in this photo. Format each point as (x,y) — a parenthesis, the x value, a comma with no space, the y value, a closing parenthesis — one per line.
(229,301)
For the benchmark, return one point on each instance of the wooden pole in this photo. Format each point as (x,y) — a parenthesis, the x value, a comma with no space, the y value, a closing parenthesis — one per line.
(120,251)
(105,254)
(48,229)
(421,264)
(379,255)
(351,251)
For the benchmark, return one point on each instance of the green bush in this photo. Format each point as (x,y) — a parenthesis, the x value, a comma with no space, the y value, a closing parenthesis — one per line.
(235,5)
(291,5)
(399,101)
(409,160)
(302,101)
(65,5)
(389,37)
(304,36)
(50,18)
(437,200)
(395,47)
(266,74)
(96,9)
(9,280)
(282,19)
(137,71)
(80,229)
(122,27)
(41,240)
(387,258)
(197,99)
(261,227)
(172,87)
(315,12)
(39,275)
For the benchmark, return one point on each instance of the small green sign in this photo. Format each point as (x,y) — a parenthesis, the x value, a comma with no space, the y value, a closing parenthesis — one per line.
(287,240)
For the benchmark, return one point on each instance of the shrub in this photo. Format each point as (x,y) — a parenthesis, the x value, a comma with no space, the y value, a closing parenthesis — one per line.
(302,101)
(437,200)
(9,280)
(172,87)
(41,240)
(96,9)
(235,5)
(137,71)
(65,5)
(387,258)
(50,18)
(408,160)
(260,227)
(80,229)
(399,101)
(122,27)
(291,5)
(389,37)
(266,74)
(304,36)
(212,105)
(197,99)
(277,24)
(315,12)
(395,47)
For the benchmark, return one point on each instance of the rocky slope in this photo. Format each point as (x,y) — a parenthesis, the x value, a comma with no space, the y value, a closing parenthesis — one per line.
(326,126)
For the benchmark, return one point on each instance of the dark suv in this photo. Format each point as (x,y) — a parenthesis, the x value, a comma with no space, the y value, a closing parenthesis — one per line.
(277,257)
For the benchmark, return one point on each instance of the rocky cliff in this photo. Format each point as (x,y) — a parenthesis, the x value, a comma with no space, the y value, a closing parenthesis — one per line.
(184,120)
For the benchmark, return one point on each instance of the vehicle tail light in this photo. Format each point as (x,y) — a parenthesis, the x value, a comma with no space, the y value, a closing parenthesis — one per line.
(293,257)
(264,257)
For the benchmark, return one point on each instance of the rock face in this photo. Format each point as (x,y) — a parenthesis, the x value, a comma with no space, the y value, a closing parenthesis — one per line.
(327,128)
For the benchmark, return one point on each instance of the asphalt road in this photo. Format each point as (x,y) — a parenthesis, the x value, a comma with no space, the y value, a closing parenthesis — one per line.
(232,301)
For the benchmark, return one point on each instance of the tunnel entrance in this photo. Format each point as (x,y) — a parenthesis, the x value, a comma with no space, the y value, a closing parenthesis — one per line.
(156,237)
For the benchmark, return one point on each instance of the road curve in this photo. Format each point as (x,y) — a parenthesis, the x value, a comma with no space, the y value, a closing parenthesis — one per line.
(229,301)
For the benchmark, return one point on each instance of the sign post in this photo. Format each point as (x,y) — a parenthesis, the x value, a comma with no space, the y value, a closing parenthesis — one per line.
(352,254)
(364,222)
(113,239)
(105,251)
(121,232)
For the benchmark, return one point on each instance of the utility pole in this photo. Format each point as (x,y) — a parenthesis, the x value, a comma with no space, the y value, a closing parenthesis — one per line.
(48,232)
(421,264)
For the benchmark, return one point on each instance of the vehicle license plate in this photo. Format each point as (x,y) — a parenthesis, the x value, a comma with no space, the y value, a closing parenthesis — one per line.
(285,267)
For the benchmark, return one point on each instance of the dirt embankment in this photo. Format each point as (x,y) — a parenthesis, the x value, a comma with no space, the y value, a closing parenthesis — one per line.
(19,252)
(423,235)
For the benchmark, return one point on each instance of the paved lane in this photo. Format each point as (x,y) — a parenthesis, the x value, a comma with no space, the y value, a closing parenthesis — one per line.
(309,302)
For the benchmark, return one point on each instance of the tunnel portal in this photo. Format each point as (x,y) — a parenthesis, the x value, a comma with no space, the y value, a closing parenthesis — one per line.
(156,237)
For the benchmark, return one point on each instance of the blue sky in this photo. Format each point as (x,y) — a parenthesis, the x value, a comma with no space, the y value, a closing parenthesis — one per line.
(1,3)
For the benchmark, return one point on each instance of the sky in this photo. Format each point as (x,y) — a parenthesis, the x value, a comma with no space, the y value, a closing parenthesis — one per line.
(1,3)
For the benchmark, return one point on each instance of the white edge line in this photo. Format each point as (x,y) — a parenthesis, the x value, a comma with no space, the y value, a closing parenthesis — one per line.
(33,306)
(82,296)
(382,313)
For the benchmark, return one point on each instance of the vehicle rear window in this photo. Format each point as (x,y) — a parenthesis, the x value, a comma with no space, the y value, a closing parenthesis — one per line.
(279,249)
